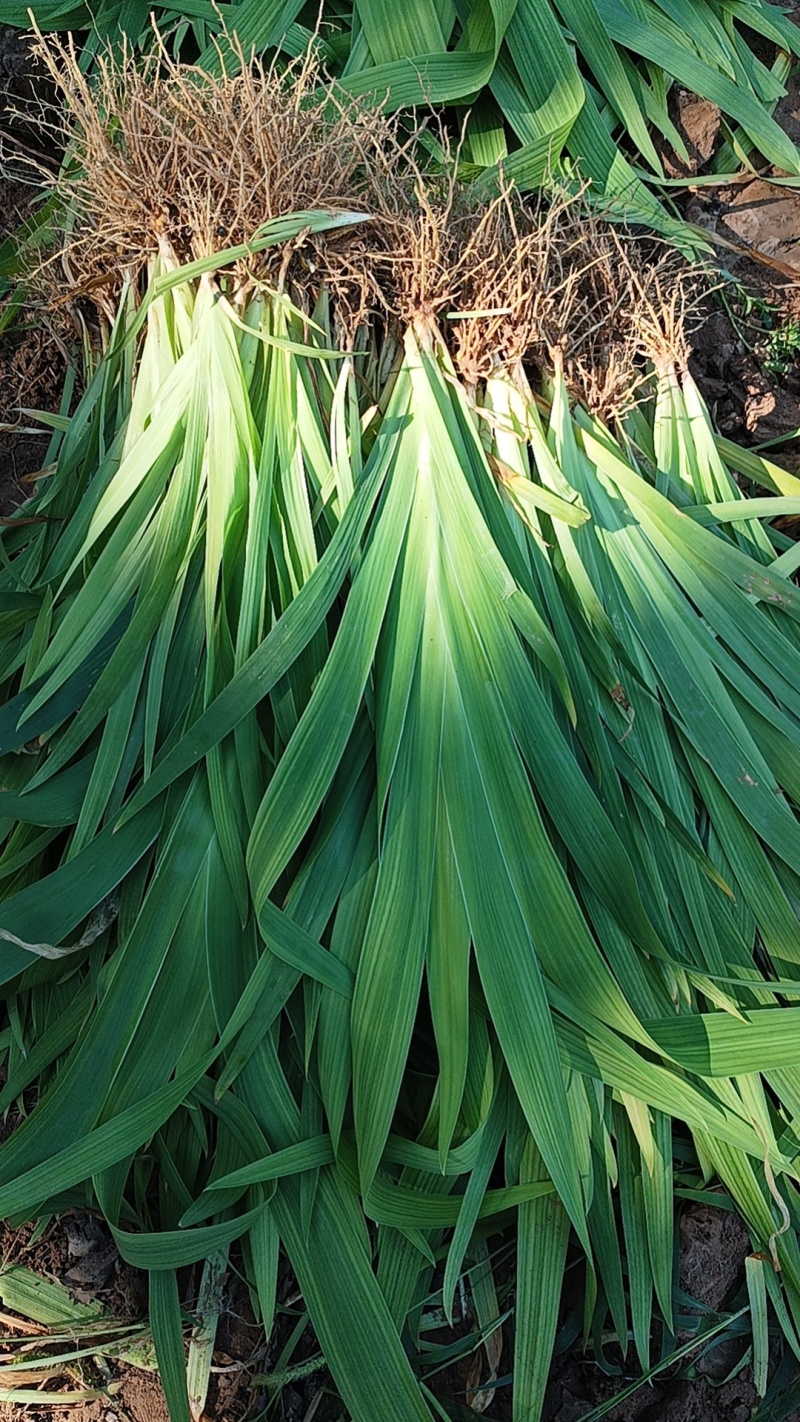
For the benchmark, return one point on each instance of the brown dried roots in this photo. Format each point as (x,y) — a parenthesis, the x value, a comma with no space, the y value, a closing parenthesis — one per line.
(166,156)
(610,301)
(517,280)
(510,280)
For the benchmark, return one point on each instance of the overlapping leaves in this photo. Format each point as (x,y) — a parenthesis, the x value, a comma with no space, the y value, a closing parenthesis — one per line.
(400,834)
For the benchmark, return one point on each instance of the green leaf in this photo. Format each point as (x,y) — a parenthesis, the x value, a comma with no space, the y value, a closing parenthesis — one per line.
(165,1321)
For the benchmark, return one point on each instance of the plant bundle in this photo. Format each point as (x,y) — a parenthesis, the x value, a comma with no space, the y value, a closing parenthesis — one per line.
(583,84)
(400,843)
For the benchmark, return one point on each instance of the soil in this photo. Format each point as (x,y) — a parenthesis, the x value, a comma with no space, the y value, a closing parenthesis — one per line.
(746,358)
(746,348)
(32,359)
(78,1251)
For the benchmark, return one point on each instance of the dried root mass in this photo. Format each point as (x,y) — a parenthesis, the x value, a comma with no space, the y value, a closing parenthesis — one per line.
(169,158)
(165,155)
(538,280)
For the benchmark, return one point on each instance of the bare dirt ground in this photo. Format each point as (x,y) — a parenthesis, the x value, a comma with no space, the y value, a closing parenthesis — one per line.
(746,356)
(746,352)
(78,1252)
(32,364)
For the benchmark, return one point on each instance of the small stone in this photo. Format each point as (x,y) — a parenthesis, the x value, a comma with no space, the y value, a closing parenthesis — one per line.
(698,121)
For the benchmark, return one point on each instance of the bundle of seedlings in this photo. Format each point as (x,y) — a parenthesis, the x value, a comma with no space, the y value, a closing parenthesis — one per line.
(400,850)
